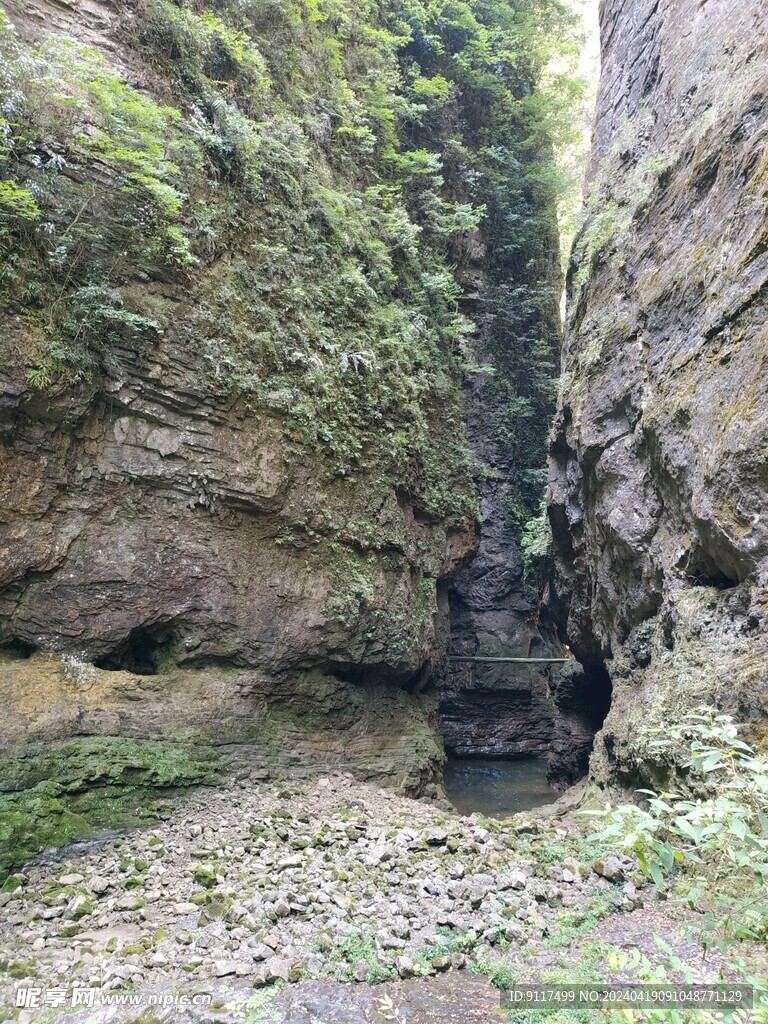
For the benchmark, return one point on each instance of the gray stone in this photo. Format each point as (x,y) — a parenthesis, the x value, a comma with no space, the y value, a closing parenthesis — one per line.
(610,868)
(223,968)
(405,967)
(70,879)
(184,908)
(277,969)
(290,862)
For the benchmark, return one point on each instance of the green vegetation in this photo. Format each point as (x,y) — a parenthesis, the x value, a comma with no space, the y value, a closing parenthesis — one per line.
(106,760)
(582,921)
(360,949)
(258,1009)
(536,537)
(709,848)
(53,795)
(310,173)
(705,848)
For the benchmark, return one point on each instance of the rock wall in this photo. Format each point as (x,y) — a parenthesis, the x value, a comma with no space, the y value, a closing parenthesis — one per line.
(658,461)
(487,708)
(143,535)
(173,565)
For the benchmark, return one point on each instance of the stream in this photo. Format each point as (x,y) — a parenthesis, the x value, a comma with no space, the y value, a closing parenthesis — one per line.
(497,788)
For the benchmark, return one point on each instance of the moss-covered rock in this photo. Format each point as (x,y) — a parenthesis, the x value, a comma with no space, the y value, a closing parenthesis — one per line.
(94,761)
(34,819)
(205,875)
(52,795)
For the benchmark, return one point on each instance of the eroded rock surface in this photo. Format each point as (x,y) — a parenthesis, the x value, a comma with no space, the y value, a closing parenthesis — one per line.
(157,533)
(505,709)
(203,568)
(658,463)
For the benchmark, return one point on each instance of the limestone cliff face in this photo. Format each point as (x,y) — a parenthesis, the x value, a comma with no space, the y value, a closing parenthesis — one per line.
(144,536)
(173,563)
(659,475)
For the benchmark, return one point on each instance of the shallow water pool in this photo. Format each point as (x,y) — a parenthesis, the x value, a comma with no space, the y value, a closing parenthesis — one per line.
(495,787)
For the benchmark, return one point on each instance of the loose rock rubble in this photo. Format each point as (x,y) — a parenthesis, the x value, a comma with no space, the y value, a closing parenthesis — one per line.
(257,885)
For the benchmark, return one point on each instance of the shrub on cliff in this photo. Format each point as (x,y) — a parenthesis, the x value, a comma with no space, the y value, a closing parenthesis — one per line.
(284,189)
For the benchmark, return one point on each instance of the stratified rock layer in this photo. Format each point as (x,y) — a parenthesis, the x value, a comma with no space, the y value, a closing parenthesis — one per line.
(202,577)
(658,464)
(144,535)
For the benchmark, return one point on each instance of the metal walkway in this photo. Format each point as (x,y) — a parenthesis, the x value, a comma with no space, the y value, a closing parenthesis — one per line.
(517,661)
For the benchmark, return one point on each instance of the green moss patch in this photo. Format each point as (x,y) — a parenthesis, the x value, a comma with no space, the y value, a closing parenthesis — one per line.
(50,796)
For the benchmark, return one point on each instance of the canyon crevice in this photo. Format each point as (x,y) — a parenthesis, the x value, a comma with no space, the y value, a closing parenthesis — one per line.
(276,389)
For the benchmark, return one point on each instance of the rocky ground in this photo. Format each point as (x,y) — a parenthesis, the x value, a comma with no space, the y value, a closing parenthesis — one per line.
(250,886)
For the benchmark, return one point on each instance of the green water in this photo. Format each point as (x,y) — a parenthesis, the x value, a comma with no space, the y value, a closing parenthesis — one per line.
(497,788)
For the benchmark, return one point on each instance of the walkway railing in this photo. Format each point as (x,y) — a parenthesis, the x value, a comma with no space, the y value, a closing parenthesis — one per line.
(517,661)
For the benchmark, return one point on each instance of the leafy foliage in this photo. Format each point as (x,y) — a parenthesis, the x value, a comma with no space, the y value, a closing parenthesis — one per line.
(536,537)
(310,171)
(66,236)
(359,948)
(711,851)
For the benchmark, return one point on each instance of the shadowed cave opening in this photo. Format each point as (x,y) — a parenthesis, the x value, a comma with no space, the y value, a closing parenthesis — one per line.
(703,571)
(513,748)
(582,696)
(18,649)
(141,653)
